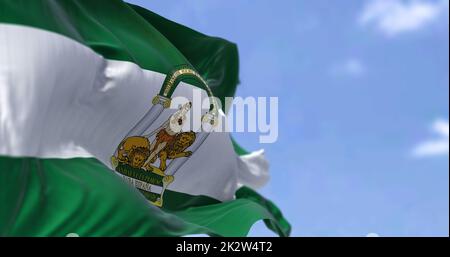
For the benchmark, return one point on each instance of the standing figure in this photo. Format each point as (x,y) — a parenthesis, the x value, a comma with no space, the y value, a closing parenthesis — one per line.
(168,132)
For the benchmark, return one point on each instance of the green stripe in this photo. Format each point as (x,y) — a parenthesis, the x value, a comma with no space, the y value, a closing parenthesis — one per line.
(54,197)
(176,201)
(277,222)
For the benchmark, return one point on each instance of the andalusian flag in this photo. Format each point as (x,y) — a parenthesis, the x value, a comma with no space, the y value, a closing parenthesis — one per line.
(92,140)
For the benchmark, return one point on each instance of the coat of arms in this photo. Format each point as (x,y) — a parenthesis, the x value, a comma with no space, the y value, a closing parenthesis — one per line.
(150,161)
(143,159)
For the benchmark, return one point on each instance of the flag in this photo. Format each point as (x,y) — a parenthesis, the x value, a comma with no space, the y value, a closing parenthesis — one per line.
(92,139)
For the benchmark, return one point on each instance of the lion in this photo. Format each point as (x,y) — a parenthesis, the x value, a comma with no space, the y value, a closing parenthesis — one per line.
(138,156)
(127,145)
(176,149)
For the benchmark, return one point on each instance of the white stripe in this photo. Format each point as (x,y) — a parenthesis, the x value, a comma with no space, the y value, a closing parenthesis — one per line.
(253,170)
(59,99)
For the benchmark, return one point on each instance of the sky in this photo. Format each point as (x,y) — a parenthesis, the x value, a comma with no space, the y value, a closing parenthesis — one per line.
(363,87)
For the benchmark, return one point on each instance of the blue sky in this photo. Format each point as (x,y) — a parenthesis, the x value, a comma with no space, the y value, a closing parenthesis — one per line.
(363,91)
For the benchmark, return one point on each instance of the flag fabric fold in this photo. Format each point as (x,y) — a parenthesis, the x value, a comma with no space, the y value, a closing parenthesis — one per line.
(87,146)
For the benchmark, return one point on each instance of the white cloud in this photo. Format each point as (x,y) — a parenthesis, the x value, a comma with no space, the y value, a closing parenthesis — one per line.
(435,147)
(350,67)
(372,235)
(393,17)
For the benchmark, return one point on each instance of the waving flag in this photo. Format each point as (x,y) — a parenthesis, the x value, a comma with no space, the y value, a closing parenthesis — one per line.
(92,140)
